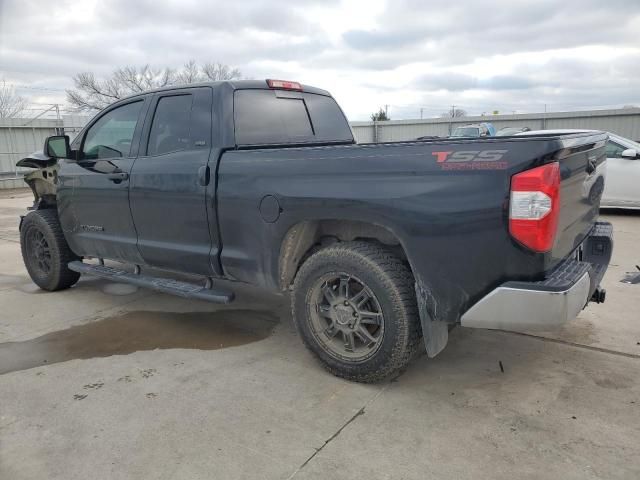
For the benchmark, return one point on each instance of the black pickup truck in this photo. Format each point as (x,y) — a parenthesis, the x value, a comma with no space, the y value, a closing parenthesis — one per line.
(383,247)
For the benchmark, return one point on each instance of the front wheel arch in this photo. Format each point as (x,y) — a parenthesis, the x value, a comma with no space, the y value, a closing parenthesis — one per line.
(45,251)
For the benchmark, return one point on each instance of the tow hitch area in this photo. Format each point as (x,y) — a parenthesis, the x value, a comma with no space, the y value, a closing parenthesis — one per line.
(599,295)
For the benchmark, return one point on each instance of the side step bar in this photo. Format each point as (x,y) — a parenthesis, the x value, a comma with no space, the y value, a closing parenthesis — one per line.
(174,287)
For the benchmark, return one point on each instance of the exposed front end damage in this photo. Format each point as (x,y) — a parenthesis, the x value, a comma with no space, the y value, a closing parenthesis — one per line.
(42,180)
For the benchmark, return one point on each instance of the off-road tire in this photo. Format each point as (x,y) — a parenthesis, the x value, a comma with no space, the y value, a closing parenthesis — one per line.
(391,282)
(44,225)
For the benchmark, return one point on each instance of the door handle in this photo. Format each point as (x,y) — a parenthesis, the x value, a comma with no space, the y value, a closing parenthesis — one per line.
(117,177)
(203,175)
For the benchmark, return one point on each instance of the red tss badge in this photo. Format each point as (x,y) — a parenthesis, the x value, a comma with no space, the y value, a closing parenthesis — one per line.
(471,160)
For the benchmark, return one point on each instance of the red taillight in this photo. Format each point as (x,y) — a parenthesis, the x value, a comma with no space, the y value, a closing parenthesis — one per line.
(284,85)
(535,206)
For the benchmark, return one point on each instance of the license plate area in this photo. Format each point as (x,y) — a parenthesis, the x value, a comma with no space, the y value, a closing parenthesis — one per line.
(597,247)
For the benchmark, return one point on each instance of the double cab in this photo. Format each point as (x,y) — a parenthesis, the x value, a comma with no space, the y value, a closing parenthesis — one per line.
(383,248)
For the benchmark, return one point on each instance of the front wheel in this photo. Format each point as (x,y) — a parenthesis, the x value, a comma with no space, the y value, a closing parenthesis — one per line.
(354,305)
(45,251)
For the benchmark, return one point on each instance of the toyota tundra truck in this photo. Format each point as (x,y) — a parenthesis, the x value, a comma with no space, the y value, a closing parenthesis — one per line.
(383,248)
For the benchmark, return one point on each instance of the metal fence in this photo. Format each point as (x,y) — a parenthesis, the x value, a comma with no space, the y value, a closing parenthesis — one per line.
(624,122)
(19,137)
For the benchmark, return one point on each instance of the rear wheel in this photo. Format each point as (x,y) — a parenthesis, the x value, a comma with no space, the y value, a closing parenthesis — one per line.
(355,308)
(45,251)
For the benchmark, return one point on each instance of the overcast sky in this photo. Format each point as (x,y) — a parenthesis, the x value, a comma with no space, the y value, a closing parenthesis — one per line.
(483,55)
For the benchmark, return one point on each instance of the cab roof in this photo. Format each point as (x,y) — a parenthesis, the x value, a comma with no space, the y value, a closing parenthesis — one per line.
(232,84)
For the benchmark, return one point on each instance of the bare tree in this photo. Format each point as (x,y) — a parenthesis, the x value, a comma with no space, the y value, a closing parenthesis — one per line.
(220,71)
(190,73)
(94,94)
(380,115)
(454,113)
(11,104)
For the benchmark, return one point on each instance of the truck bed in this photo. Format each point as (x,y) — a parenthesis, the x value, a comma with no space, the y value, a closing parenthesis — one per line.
(450,215)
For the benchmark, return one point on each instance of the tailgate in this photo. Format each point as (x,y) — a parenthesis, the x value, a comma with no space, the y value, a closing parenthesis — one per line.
(582,161)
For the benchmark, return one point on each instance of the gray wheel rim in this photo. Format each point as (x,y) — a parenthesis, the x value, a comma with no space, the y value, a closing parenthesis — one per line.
(345,317)
(40,252)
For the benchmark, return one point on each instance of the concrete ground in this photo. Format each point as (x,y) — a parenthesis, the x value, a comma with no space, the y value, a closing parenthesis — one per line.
(105,381)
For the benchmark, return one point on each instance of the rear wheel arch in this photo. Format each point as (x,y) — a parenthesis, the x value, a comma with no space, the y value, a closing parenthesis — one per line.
(306,237)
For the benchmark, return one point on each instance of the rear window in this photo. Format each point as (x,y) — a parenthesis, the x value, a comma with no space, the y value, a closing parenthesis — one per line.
(170,126)
(264,117)
(466,132)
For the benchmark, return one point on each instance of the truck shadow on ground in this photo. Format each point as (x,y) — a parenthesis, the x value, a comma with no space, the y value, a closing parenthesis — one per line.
(490,354)
(621,212)
(139,331)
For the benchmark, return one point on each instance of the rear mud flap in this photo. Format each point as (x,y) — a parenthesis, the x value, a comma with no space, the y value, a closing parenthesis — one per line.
(435,332)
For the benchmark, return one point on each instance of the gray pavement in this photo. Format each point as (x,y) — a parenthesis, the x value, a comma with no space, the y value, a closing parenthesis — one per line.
(106,381)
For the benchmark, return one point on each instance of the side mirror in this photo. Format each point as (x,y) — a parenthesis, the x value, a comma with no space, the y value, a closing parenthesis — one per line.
(57,146)
(629,153)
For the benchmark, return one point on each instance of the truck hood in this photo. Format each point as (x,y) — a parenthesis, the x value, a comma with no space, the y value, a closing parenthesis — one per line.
(36,160)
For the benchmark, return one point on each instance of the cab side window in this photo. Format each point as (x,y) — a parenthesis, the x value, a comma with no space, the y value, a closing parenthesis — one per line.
(170,129)
(112,134)
(614,150)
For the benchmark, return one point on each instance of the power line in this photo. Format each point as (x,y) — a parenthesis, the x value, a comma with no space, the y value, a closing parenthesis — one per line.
(44,89)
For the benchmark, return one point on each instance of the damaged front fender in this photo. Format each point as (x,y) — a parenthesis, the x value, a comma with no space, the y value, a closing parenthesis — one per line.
(43,180)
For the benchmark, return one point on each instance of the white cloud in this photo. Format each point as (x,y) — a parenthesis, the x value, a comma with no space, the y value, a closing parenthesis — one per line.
(491,55)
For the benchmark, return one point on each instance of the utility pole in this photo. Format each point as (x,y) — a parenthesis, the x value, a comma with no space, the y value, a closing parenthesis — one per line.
(544,118)
(59,129)
(421,111)
(386,110)
(453,112)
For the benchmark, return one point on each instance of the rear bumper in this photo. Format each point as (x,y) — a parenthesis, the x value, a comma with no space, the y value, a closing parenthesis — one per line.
(551,302)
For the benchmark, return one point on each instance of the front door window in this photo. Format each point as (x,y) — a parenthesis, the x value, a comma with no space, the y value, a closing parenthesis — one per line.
(111,135)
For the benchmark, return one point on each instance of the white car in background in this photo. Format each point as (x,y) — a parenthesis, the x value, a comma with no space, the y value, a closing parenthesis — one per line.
(622,185)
